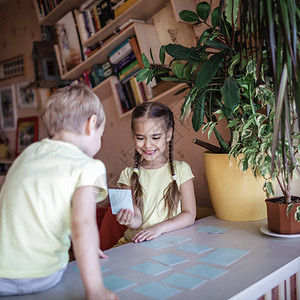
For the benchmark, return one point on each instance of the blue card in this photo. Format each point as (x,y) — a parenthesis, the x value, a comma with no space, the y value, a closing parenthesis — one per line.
(174,239)
(211,229)
(206,271)
(183,281)
(155,244)
(195,248)
(223,256)
(151,268)
(120,199)
(157,290)
(170,259)
(117,283)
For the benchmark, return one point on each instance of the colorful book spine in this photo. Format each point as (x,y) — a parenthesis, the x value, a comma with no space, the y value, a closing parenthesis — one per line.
(136,50)
(120,52)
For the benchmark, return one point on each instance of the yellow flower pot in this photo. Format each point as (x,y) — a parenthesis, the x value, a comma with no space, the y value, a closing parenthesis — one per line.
(235,195)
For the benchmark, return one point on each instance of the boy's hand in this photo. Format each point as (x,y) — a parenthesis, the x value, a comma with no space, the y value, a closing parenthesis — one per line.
(147,234)
(102,294)
(125,217)
(102,254)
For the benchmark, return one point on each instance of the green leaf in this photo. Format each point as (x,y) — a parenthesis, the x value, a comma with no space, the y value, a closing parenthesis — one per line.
(208,70)
(142,74)
(188,16)
(217,45)
(162,54)
(183,53)
(198,115)
(186,107)
(231,94)
(289,208)
(231,11)
(177,68)
(145,61)
(233,123)
(215,17)
(181,91)
(204,36)
(203,10)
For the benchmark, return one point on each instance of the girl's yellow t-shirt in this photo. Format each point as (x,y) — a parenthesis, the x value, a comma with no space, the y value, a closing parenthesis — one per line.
(154,182)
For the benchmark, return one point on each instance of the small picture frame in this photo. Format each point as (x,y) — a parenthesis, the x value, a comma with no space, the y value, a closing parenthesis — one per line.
(8,115)
(27,133)
(26,96)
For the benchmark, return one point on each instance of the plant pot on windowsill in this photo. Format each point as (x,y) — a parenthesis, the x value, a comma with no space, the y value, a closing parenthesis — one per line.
(279,220)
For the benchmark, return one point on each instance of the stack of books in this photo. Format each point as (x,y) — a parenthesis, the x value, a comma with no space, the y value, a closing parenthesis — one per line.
(127,61)
(94,15)
(46,6)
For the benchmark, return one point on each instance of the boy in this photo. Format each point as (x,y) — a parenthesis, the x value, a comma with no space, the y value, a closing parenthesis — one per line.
(51,191)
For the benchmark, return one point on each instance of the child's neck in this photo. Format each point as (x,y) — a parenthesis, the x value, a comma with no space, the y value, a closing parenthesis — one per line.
(69,137)
(154,164)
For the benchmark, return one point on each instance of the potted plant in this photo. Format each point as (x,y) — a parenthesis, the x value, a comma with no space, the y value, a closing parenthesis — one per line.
(277,26)
(211,71)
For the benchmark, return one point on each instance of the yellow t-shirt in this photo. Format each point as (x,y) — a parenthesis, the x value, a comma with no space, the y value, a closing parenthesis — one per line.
(35,207)
(154,182)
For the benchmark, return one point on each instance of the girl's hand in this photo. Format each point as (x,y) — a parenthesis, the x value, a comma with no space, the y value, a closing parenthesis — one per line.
(147,234)
(102,254)
(125,217)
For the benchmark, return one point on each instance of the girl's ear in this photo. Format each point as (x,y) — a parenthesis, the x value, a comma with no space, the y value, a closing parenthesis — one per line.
(90,125)
(169,134)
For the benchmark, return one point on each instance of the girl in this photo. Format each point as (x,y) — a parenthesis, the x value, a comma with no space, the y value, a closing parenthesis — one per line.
(162,189)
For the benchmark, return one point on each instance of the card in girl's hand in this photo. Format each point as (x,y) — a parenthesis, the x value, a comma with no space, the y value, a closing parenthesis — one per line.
(120,199)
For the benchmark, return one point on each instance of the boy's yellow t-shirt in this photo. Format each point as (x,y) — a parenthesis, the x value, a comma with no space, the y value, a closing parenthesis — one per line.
(35,207)
(154,182)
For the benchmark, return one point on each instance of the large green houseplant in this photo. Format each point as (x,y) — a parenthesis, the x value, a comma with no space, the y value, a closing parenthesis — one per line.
(226,77)
(212,71)
(274,26)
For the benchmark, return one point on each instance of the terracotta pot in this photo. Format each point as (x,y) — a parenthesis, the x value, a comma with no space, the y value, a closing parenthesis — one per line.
(278,221)
(235,195)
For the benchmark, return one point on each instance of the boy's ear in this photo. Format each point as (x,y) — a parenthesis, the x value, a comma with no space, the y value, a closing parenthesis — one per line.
(91,124)
(169,134)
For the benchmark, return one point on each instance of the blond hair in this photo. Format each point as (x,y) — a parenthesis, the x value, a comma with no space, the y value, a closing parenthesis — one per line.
(171,196)
(69,108)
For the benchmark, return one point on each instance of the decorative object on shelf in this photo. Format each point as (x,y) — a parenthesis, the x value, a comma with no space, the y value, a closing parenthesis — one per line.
(12,67)
(8,113)
(27,133)
(69,42)
(26,95)
(45,66)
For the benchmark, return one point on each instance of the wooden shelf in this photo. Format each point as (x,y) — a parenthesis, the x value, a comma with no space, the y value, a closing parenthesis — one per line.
(58,12)
(142,10)
(100,56)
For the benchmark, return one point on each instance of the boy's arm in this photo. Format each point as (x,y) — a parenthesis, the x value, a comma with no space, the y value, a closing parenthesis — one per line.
(85,242)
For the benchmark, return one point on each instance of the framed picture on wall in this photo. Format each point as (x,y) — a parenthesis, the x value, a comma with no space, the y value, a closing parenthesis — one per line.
(8,114)
(27,133)
(26,96)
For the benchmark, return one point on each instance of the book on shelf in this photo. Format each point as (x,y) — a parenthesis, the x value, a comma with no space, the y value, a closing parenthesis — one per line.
(81,25)
(122,97)
(106,13)
(129,70)
(69,42)
(135,47)
(96,18)
(120,52)
(123,7)
(124,62)
(136,90)
(129,93)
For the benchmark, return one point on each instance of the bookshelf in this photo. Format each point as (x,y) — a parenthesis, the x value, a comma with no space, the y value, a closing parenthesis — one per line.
(142,31)
(145,33)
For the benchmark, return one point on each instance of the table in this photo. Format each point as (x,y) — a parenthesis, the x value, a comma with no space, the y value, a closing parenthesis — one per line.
(269,262)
